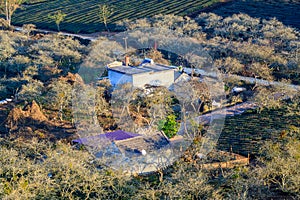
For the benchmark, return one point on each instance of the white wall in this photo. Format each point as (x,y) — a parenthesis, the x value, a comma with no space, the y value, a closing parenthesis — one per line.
(118,78)
(163,78)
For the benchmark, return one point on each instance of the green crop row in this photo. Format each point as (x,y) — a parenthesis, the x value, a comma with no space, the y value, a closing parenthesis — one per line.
(247,132)
(284,10)
(82,16)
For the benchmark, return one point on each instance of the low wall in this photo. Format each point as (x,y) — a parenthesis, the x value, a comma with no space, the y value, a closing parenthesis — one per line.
(239,161)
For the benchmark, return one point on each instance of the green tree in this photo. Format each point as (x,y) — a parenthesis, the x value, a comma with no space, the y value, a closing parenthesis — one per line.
(8,7)
(58,17)
(56,51)
(104,13)
(30,72)
(170,127)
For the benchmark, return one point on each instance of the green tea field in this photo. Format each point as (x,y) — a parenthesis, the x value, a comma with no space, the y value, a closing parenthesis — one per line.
(82,16)
(246,133)
(286,11)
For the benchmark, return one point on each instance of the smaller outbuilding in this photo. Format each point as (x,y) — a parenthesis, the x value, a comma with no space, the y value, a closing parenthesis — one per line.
(124,143)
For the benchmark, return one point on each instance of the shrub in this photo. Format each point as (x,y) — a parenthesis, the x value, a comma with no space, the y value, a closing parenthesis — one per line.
(170,126)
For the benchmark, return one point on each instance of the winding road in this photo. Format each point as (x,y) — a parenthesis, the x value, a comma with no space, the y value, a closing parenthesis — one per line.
(244,78)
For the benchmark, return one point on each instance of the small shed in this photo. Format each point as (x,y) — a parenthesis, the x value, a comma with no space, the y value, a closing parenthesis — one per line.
(126,143)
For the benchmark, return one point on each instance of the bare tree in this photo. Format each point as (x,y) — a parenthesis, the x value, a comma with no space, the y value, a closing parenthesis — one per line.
(8,7)
(7,50)
(31,91)
(272,97)
(28,28)
(59,96)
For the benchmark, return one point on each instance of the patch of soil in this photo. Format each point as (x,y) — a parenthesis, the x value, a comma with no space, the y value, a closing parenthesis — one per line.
(30,121)
(72,78)
(31,114)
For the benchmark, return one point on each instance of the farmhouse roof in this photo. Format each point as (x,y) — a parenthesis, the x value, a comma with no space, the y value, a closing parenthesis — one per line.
(143,68)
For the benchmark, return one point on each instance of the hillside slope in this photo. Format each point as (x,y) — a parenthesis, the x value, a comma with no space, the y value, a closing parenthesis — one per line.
(82,16)
(286,11)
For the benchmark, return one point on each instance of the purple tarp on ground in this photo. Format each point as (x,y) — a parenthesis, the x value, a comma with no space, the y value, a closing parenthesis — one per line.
(112,136)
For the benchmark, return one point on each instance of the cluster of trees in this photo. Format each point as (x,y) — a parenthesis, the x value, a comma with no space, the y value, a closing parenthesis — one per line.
(37,169)
(257,47)
(37,67)
(254,47)
(31,68)
(45,170)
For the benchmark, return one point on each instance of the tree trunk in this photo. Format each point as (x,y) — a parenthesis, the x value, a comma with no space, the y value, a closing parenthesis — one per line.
(105,23)
(192,72)
(7,13)
(5,71)
(161,175)
(9,22)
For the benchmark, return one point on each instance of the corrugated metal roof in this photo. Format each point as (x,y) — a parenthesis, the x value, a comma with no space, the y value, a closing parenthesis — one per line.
(148,143)
(126,142)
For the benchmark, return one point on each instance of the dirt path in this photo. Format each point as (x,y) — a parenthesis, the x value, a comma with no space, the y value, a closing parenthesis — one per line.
(225,112)
(244,78)
(91,36)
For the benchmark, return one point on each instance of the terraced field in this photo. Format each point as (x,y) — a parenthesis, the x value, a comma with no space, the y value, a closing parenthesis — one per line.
(246,133)
(287,11)
(82,15)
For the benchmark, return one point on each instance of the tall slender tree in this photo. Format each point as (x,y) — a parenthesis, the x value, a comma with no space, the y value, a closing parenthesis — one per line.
(8,7)
(58,17)
(104,13)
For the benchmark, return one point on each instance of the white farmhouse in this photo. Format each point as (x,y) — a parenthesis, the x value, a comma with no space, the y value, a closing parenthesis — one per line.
(146,73)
